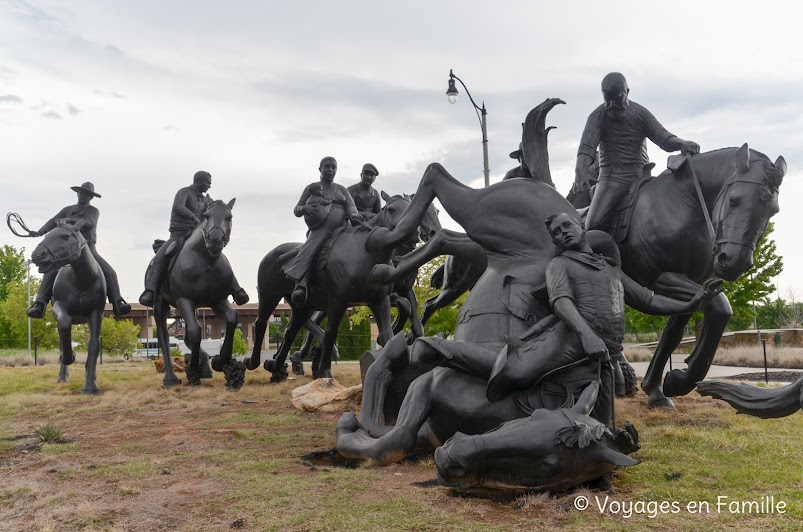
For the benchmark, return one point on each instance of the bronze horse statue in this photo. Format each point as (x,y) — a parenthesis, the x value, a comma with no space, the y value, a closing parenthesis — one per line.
(506,220)
(79,295)
(340,283)
(201,276)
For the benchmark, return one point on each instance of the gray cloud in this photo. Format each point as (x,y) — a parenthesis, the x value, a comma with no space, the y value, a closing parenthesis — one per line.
(72,110)
(11,98)
(51,115)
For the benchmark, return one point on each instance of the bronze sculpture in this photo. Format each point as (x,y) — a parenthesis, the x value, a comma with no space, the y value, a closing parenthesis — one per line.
(189,206)
(325,206)
(366,197)
(84,218)
(200,276)
(765,403)
(619,127)
(551,450)
(78,291)
(586,291)
(661,244)
(339,281)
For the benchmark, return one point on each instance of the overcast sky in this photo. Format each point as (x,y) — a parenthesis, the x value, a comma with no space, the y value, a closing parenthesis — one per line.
(137,96)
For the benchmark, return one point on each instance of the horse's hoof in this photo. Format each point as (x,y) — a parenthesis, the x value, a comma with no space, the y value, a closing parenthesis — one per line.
(217,363)
(297,366)
(63,379)
(657,399)
(91,391)
(249,365)
(169,383)
(348,423)
(324,374)
(677,383)
(234,372)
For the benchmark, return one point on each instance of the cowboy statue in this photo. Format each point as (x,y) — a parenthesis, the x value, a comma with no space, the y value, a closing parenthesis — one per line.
(82,217)
(619,127)
(366,197)
(189,206)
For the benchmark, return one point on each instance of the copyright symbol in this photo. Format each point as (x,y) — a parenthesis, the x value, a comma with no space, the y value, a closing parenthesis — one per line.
(581,502)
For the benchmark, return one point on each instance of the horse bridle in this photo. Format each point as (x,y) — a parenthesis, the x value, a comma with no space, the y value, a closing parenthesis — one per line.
(715,239)
(68,258)
(207,231)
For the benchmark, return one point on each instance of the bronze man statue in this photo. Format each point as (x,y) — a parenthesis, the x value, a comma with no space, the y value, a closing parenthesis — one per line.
(189,206)
(521,170)
(619,128)
(366,198)
(325,206)
(587,292)
(84,218)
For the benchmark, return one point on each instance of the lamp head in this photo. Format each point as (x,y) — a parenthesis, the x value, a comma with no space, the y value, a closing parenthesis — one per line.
(451,93)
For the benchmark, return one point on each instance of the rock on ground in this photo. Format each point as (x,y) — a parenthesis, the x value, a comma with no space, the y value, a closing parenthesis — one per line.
(326,395)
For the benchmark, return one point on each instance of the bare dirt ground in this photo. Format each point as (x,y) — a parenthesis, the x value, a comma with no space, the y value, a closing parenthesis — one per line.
(152,459)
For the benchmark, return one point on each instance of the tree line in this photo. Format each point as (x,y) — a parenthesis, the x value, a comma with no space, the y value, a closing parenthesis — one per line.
(118,336)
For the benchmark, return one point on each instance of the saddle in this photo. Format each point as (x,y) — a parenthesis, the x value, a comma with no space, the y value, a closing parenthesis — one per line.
(620,224)
(172,252)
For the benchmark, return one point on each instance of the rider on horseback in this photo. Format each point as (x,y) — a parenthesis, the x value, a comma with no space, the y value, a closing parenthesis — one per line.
(366,198)
(325,206)
(189,206)
(84,218)
(619,128)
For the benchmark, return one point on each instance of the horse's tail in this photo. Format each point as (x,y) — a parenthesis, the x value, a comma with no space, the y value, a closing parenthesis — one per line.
(534,141)
(760,402)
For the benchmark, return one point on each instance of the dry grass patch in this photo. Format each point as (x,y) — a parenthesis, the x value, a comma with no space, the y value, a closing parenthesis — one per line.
(145,458)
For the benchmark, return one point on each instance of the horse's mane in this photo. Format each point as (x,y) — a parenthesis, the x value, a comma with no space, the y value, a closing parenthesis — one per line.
(772,175)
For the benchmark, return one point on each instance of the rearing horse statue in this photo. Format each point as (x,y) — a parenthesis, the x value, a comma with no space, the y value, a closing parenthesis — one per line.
(79,295)
(201,276)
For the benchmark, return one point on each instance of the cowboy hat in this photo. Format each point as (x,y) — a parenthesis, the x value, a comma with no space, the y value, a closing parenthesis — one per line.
(86,187)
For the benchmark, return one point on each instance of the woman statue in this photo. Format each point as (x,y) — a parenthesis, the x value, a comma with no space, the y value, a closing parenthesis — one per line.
(325,206)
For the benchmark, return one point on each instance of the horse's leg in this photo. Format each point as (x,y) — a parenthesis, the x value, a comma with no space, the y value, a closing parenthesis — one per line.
(276,364)
(445,242)
(93,349)
(677,286)
(716,315)
(266,307)
(457,198)
(64,324)
(322,369)
(314,332)
(192,339)
(233,370)
(381,310)
(670,339)
(403,311)
(160,310)
(459,277)
(353,441)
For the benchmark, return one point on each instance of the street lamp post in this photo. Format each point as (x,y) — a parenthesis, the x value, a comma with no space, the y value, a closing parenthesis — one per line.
(28,266)
(451,94)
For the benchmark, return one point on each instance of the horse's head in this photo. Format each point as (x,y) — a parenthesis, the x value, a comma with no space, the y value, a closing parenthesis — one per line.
(551,448)
(216,226)
(394,208)
(61,246)
(430,224)
(742,209)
